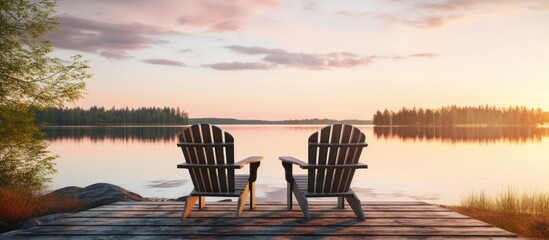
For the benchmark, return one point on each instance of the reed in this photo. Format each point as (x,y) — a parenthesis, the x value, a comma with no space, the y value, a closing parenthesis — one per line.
(525,213)
(19,205)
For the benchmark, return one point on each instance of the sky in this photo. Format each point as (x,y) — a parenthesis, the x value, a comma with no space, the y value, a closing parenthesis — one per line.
(297,59)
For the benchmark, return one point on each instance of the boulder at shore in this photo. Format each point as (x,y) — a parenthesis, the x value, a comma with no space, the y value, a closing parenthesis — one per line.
(96,195)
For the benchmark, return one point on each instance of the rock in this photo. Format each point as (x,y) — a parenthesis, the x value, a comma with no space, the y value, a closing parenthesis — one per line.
(37,221)
(8,235)
(180,199)
(4,227)
(96,195)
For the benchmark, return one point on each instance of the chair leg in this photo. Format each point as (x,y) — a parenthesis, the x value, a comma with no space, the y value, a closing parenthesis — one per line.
(289,190)
(355,204)
(201,202)
(252,194)
(189,203)
(340,202)
(242,201)
(302,201)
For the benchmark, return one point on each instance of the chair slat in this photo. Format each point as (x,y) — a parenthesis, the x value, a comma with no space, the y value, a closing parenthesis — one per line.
(229,153)
(342,158)
(313,151)
(220,157)
(193,158)
(209,156)
(355,157)
(186,155)
(197,138)
(334,153)
(322,153)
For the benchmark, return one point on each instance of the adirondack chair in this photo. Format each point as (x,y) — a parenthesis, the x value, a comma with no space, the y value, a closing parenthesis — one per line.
(209,155)
(334,153)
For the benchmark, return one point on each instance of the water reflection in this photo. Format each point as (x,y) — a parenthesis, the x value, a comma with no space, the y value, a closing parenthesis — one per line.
(428,164)
(464,134)
(127,133)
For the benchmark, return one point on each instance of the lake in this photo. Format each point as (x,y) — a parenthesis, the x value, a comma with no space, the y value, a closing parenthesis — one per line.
(437,165)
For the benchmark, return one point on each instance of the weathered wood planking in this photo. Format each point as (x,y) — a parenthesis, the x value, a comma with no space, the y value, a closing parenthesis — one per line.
(160,220)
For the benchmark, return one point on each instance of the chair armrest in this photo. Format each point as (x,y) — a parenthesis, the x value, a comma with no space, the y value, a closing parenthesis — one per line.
(336,166)
(249,160)
(254,162)
(292,160)
(196,165)
(237,165)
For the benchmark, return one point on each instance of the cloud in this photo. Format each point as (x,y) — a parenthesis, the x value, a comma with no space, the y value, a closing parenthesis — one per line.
(165,62)
(423,55)
(226,26)
(274,57)
(212,15)
(304,60)
(236,66)
(455,5)
(309,5)
(109,40)
(436,14)
(427,21)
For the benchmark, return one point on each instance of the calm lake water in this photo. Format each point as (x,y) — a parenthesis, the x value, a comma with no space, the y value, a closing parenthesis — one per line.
(438,165)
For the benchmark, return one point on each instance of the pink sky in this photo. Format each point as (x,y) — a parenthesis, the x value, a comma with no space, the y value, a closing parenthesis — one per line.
(274,59)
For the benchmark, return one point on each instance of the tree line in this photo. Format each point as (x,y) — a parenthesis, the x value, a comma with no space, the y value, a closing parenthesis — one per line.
(99,115)
(453,115)
(314,121)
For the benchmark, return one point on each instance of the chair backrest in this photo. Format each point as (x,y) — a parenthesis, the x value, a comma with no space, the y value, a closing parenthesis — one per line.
(336,144)
(209,145)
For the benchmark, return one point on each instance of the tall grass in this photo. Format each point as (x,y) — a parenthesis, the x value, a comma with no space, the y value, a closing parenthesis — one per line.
(525,213)
(509,200)
(17,206)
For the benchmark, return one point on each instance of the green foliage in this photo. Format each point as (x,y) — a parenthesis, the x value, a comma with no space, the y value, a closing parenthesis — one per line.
(24,162)
(27,74)
(453,115)
(100,115)
(30,79)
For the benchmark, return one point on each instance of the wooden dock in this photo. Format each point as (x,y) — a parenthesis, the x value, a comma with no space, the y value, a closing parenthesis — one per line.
(160,220)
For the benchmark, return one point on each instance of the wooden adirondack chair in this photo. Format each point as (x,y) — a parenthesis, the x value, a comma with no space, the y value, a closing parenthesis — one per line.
(334,153)
(209,155)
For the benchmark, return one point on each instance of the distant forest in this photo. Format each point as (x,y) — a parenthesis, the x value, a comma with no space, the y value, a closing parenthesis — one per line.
(314,121)
(153,115)
(100,115)
(453,115)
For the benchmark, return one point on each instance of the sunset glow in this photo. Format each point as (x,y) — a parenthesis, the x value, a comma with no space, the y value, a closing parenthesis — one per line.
(274,59)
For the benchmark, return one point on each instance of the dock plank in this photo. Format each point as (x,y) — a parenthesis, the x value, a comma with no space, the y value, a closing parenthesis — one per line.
(160,220)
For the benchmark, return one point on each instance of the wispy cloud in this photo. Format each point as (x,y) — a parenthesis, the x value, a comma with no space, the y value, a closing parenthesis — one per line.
(213,15)
(309,5)
(304,60)
(237,66)
(110,40)
(274,57)
(165,62)
(439,13)
(423,55)
(428,21)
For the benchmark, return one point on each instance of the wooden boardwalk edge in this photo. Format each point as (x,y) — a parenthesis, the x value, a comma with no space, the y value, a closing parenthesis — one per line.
(161,219)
